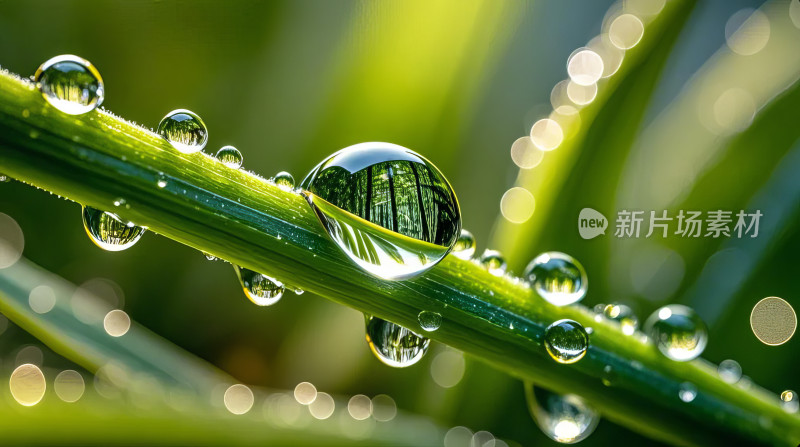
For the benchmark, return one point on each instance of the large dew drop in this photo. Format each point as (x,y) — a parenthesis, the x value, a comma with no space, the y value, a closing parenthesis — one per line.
(557,277)
(184,130)
(464,247)
(108,231)
(563,418)
(389,209)
(71,84)
(393,344)
(566,341)
(259,288)
(678,332)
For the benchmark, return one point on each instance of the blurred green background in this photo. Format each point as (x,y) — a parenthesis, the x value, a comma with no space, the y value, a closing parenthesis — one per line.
(289,82)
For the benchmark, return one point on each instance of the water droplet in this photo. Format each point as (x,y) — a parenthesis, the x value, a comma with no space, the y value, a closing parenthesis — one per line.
(230,157)
(184,130)
(259,288)
(393,344)
(566,341)
(119,201)
(563,418)
(389,209)
(4,178)
(161,180)
(623,315)
(210,257)
(284,180)
(789,401)
(464,247)
(730,371)
(70,84)
(609,376)
(299,291)
(557,277)
(108,231)
(687,392)
(429,321)
(678,332)
(493,261)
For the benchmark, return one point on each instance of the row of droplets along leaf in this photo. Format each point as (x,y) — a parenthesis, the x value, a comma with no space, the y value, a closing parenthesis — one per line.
(393,214)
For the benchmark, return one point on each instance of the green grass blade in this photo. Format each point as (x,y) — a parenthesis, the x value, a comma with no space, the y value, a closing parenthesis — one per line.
(238,216)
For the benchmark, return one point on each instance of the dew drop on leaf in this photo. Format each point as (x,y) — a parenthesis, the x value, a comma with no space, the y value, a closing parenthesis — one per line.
(678,332)
(230,157)
(566,341)
(390,210)
(284,180)
(70,84)
(563,418)
(429,321)
(464,247)
(185,131)
(393,344)
(108,231)
(493,261)
(557,277)
(259,288)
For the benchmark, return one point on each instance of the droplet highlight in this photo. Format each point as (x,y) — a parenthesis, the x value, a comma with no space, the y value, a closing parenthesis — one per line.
(678,332)
(563,418)
(393,344)
(557,277)
(390,210)
(230,157)
(261,289)
(464,247)
(108,231)
(71,84)
(184,130)
(790,401)
(566,341)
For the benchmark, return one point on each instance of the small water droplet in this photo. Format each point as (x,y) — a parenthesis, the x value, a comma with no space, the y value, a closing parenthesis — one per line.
(184,130)
(566,341)
(119,201)
(259,288)
(493,261)
(557,277)
(26,113)
(687,392)
(299,291)
(284,180)
(390,210)
(70,84)
(730,371)
(210,257)
(4,178)
(429,321)
(609,376)
(464,247)
(108,231)
(393,344)
(678,332)
(161,180)
(230,157)
(789,401)
(623,315)
(563,418)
